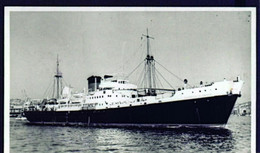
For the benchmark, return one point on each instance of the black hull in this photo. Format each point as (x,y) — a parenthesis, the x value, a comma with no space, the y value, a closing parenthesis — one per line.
(205,111)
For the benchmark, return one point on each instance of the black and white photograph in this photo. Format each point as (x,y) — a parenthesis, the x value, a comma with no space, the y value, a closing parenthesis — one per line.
(106,79)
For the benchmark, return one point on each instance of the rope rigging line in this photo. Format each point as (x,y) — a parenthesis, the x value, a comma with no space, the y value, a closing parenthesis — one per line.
(137,51)
(154,78)
(126,62)
(163,78)
(140,80)
(66,84)
(158,80)
(47,89)
(61,80)
(144,81)
(171,73)
(133,70)
(145,75)
(53,93)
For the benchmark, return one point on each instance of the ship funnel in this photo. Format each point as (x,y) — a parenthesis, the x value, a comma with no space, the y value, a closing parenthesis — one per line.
(93,83)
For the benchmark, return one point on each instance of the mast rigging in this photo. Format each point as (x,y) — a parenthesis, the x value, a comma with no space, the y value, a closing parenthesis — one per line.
(58,77)
(150,64)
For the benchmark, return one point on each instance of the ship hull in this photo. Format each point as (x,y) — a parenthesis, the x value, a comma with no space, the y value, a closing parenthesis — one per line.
(199,112)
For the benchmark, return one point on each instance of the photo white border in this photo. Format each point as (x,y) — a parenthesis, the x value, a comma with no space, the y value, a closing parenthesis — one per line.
(7,11)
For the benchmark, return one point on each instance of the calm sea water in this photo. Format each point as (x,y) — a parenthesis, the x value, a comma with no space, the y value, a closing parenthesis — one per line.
(31,138)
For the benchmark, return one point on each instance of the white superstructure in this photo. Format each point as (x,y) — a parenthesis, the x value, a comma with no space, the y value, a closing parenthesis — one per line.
(116,93)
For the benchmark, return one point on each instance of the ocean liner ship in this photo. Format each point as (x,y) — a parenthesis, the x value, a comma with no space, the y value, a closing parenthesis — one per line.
(112,101)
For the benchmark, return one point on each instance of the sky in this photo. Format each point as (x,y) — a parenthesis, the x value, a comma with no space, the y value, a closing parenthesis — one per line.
(198,46)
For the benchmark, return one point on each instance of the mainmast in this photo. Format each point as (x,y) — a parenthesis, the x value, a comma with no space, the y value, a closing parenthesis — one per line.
(58,77)
(149,65)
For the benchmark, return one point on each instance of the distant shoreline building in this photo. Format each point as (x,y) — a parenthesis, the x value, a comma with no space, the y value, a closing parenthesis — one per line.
(16,105)
(242,109)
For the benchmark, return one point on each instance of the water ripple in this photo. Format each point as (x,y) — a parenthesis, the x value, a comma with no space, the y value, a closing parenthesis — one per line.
(30,138)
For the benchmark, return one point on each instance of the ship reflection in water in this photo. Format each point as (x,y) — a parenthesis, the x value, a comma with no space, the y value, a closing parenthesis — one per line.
(32,138)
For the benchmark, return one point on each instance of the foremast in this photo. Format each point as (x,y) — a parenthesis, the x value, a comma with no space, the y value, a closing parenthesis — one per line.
(58,80)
